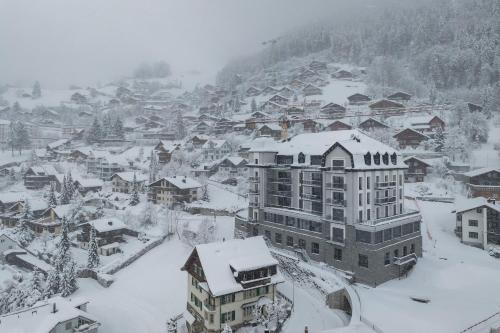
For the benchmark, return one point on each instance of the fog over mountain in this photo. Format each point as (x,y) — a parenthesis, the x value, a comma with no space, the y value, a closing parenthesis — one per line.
(60,42)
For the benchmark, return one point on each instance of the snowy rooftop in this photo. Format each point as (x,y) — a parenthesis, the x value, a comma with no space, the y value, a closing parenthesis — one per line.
(90,182)
(481,171)
(473,203)
(183,182)
(129,176)
(107,224)
(217,258)
(40,318)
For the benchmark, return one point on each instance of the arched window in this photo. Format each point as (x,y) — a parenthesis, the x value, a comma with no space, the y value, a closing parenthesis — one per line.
(385,158)
(376,158)
(394,158)
(368,158)
(302,158)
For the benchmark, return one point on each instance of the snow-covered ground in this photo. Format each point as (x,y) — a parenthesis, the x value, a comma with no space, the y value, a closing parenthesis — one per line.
(487,156)
(460,281)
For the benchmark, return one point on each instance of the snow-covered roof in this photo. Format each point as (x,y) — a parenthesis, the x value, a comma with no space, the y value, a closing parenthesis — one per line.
(473,203)
(11,197)
(241,254)
(57,143)
(183,182)
(274,127)
(107,224)
(90,182)
(45,169)
(214,144)
(480,171)
(235,160)
(128,176)
(41,318)
(354,141)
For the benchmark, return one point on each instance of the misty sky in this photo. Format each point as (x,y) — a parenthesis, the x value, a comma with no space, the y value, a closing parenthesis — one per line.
(84,41)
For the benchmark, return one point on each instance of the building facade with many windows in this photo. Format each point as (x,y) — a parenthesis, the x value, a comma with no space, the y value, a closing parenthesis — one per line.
(335,197)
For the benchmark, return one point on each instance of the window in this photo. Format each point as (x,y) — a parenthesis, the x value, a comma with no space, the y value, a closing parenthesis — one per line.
(387,235)
(337,254)
(337,214)
(385,158)
(479,210)
(226,317)
(368,217)
(315,248)
(277,238)
(412,248)
(396,232)
(69,325)
(407,228)
(284,159)
(416,226)
(363,236)
(289,240)
(337,235)
(367,183)
(376,158)
(230,298)
(360,183)
(400,180)
(401,208)
(396,253)
(363,260)
(394,210)
(248,311)
(387,259)
(360,217)
(302,158)
(368,158)
(378,212)
(302,243)
(256,161)
(316,159)
(267,234)
(473,235)
(379,237)
(361,199)
(405,250)
(337,163)
(394,159)
(367,198)
(400,193)
(473,223)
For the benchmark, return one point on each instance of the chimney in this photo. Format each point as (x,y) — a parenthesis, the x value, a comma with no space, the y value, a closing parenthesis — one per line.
(491,200)
(54,308)
(306,330)
(110,222)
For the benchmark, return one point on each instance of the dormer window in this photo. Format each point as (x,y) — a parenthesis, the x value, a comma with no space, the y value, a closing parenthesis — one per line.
(394,159)
(376,158)
(385,158)
(368,158)
(302,158)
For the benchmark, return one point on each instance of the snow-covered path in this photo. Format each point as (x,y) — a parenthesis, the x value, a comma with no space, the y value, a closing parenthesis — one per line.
(144,295)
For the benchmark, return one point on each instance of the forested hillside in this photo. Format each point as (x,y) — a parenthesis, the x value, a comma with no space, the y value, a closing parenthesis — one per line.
(438,49)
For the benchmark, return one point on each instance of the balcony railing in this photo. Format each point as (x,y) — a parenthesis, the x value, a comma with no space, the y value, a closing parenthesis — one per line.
(254,179)
(336,186)
(336,219)
(308,196)
(405,259)
(209,307)
(385,184)
(280,180)
(281,193)
(334,202)
(385,201)
(312,182)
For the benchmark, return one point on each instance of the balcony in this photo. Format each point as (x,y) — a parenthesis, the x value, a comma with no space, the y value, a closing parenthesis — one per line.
(336,219)
(381,185)
(399,261)
(253,179)
(333,202)
(209,307)
(336,186)
(281,193)
(280,180)
(313,197)
(312,183)
(385,201)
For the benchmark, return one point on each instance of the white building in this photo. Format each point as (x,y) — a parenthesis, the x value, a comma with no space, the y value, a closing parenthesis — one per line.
(215,149)
(54,315)
(225,281)
(478,222)
(123,182)
(174,190)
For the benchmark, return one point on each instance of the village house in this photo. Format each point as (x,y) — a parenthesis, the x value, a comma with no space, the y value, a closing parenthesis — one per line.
(338,125)
(197,141)
(474,107)
(316,65)
(297,84)
(278,99)
(343,74)
(109,234)
(88,185)
(269,91)
(385,104)
(174,190)
(358,99)
(164,151)
(399,97)
(53,149)
(202,128)
(226,280)
(270,130)
(311,90)
(233,166)
(37,177)
(123,182)
(54,315)
(101,167)
(426,124)
(286,92)
(371,124)
(10,216)
(252,91)
(478,223)
(417,169)
(484,182)
(410,138)
(215,149)
(333,110)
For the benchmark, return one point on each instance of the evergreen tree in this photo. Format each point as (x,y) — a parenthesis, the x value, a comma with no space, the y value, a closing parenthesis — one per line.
(180,128)
(34,290)
(37,90)
(70,186)
(52,195)
(153,167)
(95,132)
(52,285)
(34,160)
(118,128)
(27,212)
(93,260)
(16,107)
(107,129)
(134,199)
(24,233)
(68,282)
(65,195)
(253,105)
(439,139)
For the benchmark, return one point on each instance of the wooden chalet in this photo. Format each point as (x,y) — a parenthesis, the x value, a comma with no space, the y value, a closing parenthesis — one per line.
(399,96)
(252,91)
(371,124)
(338,125)
(410,138)
(333,110)
(343,74)
(417,169)
(484,182)
(164,151)
(385,104)
(357,99)
(311,90)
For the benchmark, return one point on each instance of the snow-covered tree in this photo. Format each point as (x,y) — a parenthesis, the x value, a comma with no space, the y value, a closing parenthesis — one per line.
(34,160)
(180,127)
(227,329)
(118,128)
(269,313)
(253,105)
(94,134)
(52,285)
(456,145)
(52,195)
(70,186)
(204,193)
(93,260)
(37,90)
(134,197)
(68,279)
(107,128)
(27,212)
(149,215)
(24,234)
(65,194)
(34,290)
(153,167)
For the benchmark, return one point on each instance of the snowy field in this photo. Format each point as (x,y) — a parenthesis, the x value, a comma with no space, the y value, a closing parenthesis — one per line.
(447,275)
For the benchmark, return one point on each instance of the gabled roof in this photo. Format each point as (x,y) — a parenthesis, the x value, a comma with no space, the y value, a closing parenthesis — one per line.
(220,261)
(128,176)
(106,224)
(235,160)
(58,143)
(406,130)
(214,144)
(417,159)
(481,171)
(372,120)
(180,182)
(473,203)
(385,103)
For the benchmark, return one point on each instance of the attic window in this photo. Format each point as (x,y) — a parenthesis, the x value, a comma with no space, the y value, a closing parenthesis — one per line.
(316,159)
(368,158)
(385,158)
(394,159)
(302,158)
(376,158)
(284,159)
